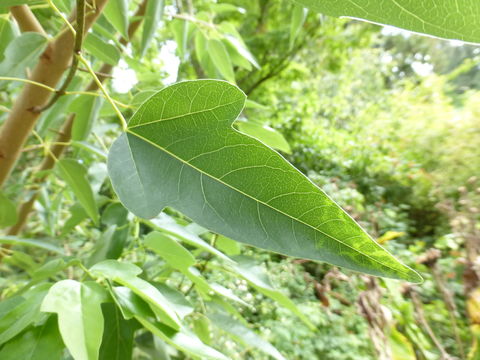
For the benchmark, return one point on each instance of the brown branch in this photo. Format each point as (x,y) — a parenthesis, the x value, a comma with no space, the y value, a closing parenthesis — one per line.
(26,20)
(49,70)
(64,134)
(77,48)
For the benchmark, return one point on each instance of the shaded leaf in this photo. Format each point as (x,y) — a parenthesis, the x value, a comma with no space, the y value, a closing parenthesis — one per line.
(243,334)
(181,141)
(102,50)
(117,342)
(86,109)
(38,343)
(22,52)
(74,175)
(8,212)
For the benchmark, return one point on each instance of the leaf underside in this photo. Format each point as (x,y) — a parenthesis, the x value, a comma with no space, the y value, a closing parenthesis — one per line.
(180,150)
(442,18)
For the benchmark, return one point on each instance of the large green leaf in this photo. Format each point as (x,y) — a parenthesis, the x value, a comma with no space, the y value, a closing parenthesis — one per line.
(448,19)
(180,150)
(80,318)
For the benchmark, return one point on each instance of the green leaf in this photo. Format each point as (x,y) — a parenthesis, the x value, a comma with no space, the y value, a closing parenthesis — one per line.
(22,52)
(299,15)
(201,327)
(102,50)
(221,59)
(265,134)
(7,34)
(248,269)
(86,109)
(180,29)
(228,246)
(241,333)
(151,20)
(165,223)
(126,274)
(182,339)
(442,18)
(74,175)
(8,212)
(80,319)
(38,343)
(116,13)
(102,246)
(174,254)
(180,150)
(19,312)
(117,342)
(180,303)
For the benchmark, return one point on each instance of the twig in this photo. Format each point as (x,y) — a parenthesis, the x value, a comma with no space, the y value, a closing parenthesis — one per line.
(107,96)
(77,48)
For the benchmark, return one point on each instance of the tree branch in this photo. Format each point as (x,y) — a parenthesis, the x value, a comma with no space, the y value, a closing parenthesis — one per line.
(65,133)
(49,70)
(26,19)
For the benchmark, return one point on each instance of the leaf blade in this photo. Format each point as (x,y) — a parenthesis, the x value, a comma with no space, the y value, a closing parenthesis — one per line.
(233,184)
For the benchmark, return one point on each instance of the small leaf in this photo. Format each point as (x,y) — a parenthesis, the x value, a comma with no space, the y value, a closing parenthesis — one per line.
(151,20)
(21,53)
(19,312)
(265,134)
(241,333)
(221,59)
(174,254)
(126,274)
(74,175)
(248,269)
(102,50)
(181,29)
(180,150)
(39,243)
(299,15)
(8,212)
(86,109)
(7,34)
(442,18)
(38,343)
(80,319)
(116,12)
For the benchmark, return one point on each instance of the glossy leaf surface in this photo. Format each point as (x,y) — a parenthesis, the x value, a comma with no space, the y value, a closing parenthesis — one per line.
(442,18)
(180,150)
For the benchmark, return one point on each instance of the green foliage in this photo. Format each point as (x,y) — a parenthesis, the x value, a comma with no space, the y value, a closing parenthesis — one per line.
(135,247)
(446,19)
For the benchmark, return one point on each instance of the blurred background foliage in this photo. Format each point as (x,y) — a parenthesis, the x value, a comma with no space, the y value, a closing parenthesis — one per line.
(386,122)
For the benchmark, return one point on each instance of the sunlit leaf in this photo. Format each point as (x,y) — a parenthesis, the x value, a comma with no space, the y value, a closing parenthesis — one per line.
(8,212)
(80,319)
(116,13)
(443,18)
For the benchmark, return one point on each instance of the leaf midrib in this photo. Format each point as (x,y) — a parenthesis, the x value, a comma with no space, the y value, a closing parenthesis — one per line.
(275,209)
